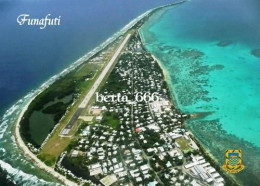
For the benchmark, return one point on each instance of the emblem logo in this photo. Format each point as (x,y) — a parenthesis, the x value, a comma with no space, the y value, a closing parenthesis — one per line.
(233,162)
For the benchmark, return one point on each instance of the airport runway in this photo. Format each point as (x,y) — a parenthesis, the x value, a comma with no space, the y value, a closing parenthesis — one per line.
(92,91)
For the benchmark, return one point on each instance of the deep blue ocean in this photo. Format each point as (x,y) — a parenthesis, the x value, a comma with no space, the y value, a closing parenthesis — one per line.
(204,46)
(206,49)
(29,56)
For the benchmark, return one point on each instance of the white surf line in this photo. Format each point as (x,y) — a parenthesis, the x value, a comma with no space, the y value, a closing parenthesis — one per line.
(103,74)
(46,84)
(33,157)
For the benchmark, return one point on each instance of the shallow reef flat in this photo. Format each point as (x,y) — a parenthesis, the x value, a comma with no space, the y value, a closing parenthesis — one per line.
(189,81)
(211,129)
(217,79)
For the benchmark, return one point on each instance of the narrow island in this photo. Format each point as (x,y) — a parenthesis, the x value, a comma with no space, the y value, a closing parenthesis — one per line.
(139,138)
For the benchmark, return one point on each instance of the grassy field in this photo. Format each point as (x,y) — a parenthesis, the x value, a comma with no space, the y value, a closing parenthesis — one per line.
(62,91)
(111,119)
(184,144)
(56,144)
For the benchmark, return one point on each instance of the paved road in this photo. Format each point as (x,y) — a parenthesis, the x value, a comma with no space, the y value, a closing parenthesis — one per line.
(72,120)
(103,74)
(92,91)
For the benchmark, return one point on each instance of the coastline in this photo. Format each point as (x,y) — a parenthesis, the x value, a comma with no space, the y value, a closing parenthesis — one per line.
(206,153)
(164,71)
(229,178)
(33,157)
(16,131)
(45,85)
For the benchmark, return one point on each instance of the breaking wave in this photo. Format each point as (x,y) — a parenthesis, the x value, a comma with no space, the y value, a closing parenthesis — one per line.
(18,167)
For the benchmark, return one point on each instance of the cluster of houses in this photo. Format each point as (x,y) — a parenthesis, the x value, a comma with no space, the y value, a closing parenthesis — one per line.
(150,146)
(199,167)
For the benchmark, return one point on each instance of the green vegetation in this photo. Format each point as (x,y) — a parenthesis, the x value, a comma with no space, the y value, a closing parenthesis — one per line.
(112,82)
(47,160)
(72,144)
(54,108)
(68,87)
(110,119)
(152,137)
(76,166)
(58,109)
(56,144)
(81,127)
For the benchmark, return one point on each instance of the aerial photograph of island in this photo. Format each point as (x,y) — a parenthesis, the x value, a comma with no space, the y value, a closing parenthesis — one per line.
(130,93)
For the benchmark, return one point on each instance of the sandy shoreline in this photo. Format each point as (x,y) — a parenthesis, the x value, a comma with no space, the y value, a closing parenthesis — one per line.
(205,152)
(165,73)
(18,138)
(37,162)
(166,76)
(32,156)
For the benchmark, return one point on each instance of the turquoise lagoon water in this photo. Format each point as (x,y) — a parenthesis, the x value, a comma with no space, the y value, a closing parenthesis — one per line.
(205,48)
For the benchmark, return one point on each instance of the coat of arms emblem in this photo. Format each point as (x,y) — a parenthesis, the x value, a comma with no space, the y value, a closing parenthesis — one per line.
(233,162)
